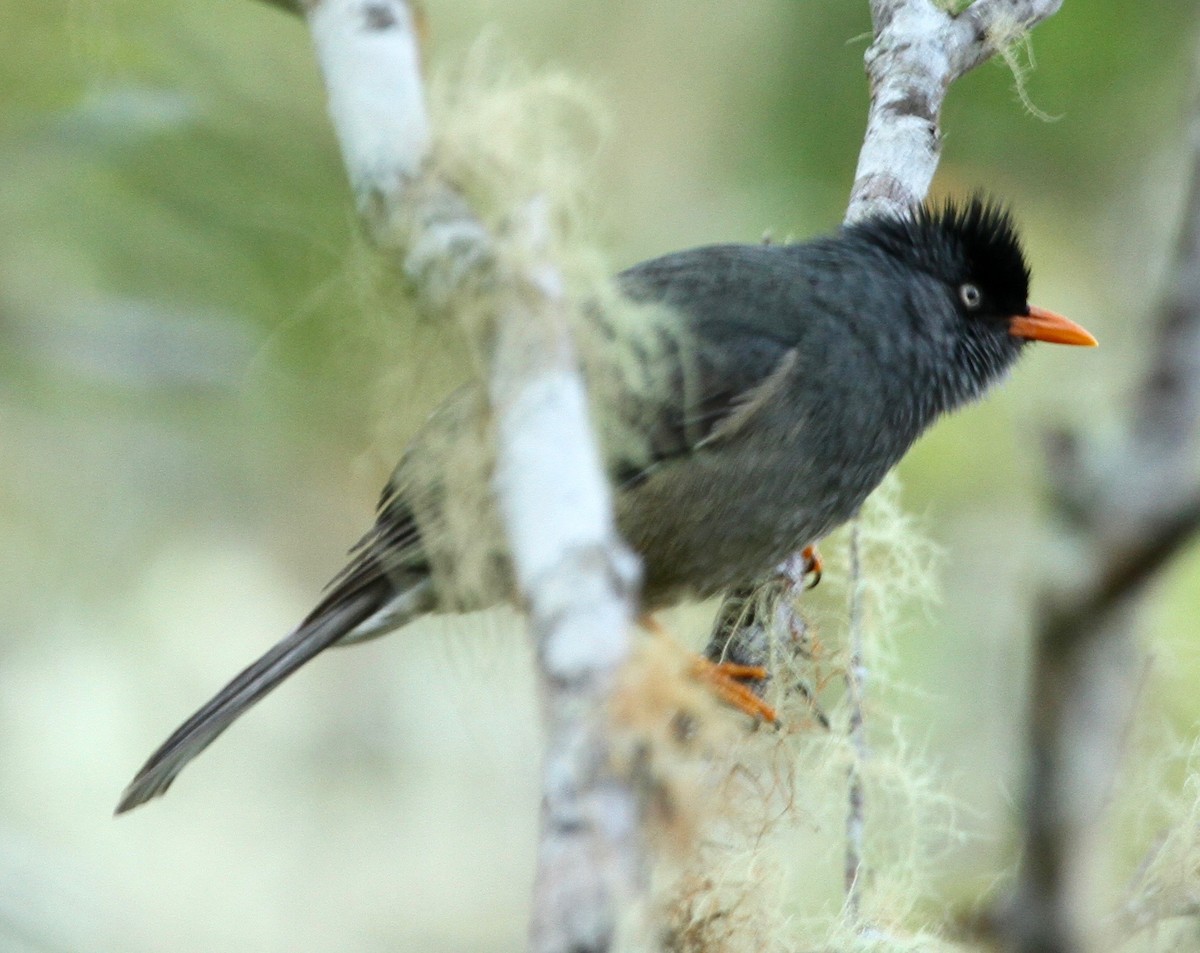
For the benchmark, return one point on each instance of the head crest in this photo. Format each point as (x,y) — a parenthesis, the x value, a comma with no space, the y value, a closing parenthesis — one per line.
(957,240)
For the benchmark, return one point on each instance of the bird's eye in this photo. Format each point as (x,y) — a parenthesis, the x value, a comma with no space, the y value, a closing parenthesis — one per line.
(971,296)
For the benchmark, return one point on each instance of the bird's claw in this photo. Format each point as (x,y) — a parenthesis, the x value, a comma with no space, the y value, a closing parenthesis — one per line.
(725,679)
(813,565)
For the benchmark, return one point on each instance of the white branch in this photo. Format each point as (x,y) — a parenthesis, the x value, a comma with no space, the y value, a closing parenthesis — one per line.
(918,51)
(576,577)
(371,61)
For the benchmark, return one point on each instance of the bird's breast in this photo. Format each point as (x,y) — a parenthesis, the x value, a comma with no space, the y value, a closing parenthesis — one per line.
(731,511)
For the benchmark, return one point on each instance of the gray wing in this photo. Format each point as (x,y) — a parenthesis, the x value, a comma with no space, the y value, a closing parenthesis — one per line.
(720,367)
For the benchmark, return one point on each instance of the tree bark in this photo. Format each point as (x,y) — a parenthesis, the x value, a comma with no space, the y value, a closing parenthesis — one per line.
(577,579)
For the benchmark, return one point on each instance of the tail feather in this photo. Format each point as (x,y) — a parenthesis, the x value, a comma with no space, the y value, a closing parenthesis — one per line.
(326,626)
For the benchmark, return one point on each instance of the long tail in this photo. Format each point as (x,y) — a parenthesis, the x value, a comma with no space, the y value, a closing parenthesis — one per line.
(328,624)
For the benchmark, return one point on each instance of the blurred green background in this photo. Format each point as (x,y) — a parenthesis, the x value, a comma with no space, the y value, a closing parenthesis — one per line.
(191,435)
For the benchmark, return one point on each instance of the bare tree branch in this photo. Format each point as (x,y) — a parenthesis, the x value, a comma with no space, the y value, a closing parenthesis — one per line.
(1127,506)
(918,51)
(577,578)
(856,677)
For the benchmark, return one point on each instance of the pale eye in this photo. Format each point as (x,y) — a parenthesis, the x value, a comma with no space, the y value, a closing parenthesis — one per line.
(971,296)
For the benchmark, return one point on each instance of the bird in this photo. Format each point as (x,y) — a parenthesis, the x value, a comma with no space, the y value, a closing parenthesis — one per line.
(747,399)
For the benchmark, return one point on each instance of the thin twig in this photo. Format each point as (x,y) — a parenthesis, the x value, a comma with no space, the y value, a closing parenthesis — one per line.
(287,6)
(856,675)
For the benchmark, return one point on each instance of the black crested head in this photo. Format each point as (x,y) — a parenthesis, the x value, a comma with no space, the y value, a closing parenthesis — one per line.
(974,284)
(971,244)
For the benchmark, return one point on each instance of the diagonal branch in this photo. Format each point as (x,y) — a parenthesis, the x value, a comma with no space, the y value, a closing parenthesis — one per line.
(919,49)
(1126,506)
(577,579)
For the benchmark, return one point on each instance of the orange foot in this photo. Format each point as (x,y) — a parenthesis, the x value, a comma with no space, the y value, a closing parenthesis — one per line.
(724,678)
(813,565)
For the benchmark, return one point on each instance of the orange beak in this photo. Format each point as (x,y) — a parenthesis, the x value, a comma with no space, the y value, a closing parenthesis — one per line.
(1042,325)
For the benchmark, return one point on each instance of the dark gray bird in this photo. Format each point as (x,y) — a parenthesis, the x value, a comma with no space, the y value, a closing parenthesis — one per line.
(748,407)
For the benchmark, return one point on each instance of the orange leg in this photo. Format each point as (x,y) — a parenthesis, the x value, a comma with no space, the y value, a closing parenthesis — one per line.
(725,679)
(813,565)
